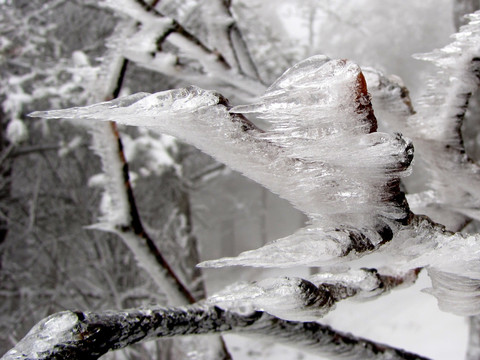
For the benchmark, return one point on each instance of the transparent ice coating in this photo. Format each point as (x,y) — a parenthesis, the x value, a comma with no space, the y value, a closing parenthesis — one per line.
(43,336)
(436,128)
(321,153)
(451,260)
(309,246)
(281,297)
(299,299)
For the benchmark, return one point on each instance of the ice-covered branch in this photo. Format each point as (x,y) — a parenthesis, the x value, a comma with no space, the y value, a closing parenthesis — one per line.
(86,335)
(451,260)
(390,99)
(436,130)
(322,154)
(308,299)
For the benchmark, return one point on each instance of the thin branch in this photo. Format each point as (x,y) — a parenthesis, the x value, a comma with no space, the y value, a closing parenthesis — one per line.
(136,225)
(199,176)
(178,28)
(230,40)
(87,335)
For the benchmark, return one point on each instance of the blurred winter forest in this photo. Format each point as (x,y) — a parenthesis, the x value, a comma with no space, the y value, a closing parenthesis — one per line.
(96,215)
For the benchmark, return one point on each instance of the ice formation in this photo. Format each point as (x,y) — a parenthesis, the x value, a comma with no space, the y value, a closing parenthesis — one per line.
(45,335)
(435,127)
(323,154)
(310,298)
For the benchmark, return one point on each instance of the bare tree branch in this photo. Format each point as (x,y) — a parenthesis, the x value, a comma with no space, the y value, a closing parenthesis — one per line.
(136,226)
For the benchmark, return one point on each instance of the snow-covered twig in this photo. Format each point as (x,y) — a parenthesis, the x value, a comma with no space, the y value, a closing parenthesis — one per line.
(229,38)
(86,335)
(122,217)
(129,226)
(228,64)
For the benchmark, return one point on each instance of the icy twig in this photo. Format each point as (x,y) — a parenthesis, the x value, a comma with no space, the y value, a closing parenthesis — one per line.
(87,335)
(390,99)
(228,63)
(308,299)
(436,129)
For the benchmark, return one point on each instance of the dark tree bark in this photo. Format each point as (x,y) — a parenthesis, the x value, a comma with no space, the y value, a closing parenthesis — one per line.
(85,335)
(6,163)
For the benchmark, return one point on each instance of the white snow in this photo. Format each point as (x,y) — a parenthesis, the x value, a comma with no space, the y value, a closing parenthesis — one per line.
(17,131)
(71,145)
(114,205)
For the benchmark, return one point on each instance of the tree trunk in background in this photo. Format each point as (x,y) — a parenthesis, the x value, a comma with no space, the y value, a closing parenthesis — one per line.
(5,180)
